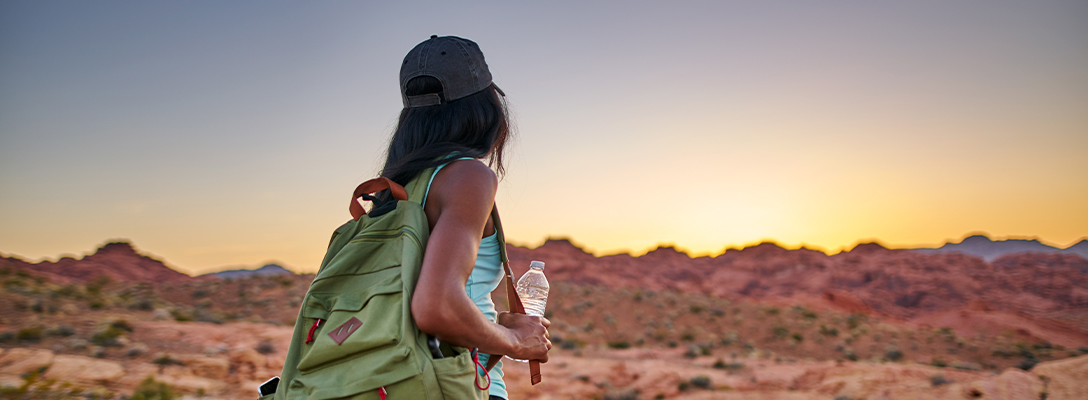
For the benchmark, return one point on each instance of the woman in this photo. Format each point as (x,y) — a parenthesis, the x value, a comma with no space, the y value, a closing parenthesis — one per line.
(453,116)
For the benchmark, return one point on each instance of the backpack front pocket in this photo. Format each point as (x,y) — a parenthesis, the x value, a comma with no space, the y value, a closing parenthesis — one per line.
(352,326)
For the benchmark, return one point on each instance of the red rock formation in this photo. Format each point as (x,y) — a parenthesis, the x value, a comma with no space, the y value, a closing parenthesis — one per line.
(902,284)
(117,260)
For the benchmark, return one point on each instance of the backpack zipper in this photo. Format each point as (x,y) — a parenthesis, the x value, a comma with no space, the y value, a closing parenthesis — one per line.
(390,234)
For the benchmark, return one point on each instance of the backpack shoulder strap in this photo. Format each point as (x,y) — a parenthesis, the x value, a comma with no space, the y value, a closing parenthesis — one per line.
(511,293)
(417,187)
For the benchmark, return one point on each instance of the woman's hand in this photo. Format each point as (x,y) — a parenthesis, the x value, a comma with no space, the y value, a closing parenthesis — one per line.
(531,336)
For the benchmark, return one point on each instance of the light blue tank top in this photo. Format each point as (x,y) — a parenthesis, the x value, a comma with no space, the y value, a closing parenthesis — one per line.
(486,275)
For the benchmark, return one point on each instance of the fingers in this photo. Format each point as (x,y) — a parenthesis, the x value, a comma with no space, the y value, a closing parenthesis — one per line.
(502,318)
(545,322)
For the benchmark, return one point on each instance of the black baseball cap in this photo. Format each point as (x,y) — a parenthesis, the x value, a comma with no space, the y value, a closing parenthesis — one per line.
(456,62)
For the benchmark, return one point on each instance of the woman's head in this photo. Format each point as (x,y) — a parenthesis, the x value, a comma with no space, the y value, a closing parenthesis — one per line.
(450,106)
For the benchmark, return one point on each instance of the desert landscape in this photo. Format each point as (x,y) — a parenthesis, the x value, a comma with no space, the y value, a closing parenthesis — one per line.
(761,322)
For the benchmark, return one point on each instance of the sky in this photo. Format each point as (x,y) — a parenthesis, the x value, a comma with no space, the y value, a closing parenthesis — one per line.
(223,134)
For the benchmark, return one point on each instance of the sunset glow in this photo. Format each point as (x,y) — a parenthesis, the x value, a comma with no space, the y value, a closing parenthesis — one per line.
(216,136)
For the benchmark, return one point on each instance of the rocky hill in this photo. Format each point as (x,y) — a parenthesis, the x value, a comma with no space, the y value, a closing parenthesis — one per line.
(117,261)
(1050,289)
(758,322)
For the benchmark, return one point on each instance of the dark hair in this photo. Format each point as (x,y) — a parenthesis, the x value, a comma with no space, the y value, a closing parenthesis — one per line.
(474,126)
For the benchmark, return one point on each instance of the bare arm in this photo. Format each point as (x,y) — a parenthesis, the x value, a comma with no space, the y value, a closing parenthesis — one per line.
(458,207)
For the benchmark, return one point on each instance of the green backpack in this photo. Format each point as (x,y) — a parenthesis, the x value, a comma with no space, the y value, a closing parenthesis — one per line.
(355,337)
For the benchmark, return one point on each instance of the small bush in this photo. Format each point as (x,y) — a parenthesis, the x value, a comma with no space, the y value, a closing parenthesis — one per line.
(181,316)
(728,366)
(683,386)
(142,305)
(122,325)
(265,347)
(691,353)
(701,382)
(687,336)
(7,336)
(855,320)
(797,337)
(149,389)
(108,337)
(806,313)
(893,355)
(771,311)
(780,332)
(1027,363)
(31,334)
(619,344)
(938,362)
(938,380)
(166,360)
(824,330)
(695,308)
(199,293)
(62,330)
(849,355)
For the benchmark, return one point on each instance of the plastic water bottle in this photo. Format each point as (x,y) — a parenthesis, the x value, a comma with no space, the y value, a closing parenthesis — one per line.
(533,290)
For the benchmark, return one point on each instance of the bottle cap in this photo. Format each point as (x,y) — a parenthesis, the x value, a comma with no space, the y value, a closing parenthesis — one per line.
(536,264)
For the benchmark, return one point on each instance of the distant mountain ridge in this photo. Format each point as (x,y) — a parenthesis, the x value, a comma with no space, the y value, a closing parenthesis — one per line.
(989,249)
(267,270)
(119,261)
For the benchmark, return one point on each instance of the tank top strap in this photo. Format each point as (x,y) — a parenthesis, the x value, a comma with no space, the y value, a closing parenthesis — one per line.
(433,174)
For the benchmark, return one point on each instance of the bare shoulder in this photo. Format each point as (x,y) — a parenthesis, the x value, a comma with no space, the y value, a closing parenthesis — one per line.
(466,180)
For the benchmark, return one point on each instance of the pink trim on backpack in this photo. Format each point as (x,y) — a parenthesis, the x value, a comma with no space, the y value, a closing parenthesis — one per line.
(310,336)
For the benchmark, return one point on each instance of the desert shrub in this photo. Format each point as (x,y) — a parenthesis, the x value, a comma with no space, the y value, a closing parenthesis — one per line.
(938,362)
(31,334)
(122,325)
(893,355)
(695,308)
(96,302)
(166,360)
(619,344)
(1027,363)
(61,330)
(727,366)
(806,313)
(142,305)
(771,310)
(265,347)
(824,330)
(692,352)
(938,380)
(849,355)
(683,386)
(150,389)
(108,337)
(568,345)
(96,284)
(780,332)
(181,316)
(7,336)
(687,336)
(208,316)
(797,337)
(701,382)
(199,294)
